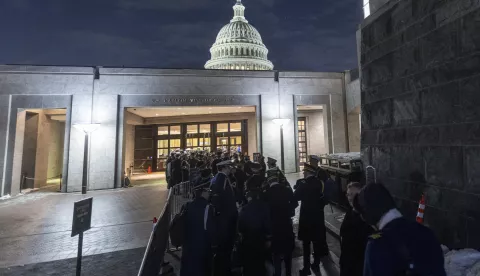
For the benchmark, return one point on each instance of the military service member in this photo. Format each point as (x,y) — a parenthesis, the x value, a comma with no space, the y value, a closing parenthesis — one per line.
(401,246)
(312,219)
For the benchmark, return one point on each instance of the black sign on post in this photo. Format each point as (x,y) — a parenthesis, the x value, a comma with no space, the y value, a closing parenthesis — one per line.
(82,218)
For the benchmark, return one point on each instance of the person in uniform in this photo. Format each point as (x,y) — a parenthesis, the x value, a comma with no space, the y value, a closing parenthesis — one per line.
(261,161)
(320,173)
(354,234)
(282,205)
(256,180)
(177,169)
(272,165)
(254,228)
(199,234)
(312,219)
(224,201)
(401,246)
(240,178)
(215,161)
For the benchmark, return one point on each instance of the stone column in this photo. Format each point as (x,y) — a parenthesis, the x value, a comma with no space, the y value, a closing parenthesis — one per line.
(103,143)
(18,152)
(4,112)
(81,113)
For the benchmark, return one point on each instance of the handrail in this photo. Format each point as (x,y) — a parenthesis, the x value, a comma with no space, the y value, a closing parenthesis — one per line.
(157,244)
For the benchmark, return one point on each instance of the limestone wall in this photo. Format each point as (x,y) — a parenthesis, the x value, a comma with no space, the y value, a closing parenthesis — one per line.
(91,95)
(315,132)
(420,107)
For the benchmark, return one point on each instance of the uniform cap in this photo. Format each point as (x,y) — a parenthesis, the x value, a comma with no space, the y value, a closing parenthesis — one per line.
(315,158)
(225,163)
(309,168)
(373,201)
(271,160)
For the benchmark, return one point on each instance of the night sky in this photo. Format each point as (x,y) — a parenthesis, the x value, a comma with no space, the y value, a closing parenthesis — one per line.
(301,35)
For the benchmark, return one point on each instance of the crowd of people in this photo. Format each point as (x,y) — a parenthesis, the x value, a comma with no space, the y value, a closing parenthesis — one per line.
(240,220)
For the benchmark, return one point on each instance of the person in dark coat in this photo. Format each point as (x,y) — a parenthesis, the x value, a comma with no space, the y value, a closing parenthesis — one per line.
(256,180)
(240,178)
(401,246)
(320,173)
(215,161)
(223,198)
(254,227)
(176,169)
(354,234)
(200,234)
(312,219)
(282,205)
(261,161)
(272,165)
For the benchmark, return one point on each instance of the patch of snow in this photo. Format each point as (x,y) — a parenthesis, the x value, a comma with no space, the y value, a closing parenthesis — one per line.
(464,262)
(345,155)
(445,249)
(5,197)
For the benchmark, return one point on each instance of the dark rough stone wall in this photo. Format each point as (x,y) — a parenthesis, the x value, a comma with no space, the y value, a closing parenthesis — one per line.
(420,70)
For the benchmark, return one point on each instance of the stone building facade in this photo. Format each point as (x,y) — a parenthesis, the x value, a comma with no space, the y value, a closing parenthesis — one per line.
(101,95)
(420,79)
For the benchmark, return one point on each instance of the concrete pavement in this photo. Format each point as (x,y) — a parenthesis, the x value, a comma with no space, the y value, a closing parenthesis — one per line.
(36,227)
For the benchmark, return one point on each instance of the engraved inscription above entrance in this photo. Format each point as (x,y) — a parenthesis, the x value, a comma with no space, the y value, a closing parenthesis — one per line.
(196,100)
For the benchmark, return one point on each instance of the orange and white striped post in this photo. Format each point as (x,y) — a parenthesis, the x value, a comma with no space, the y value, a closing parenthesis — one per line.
(421,209)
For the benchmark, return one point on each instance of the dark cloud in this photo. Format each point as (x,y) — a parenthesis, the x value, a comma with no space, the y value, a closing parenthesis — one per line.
(312,35)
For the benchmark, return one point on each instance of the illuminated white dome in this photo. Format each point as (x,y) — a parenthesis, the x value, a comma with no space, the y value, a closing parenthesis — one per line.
(239,46)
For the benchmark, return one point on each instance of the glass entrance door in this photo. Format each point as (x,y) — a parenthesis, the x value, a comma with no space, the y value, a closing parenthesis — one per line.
(168,139)
(302,140)
(228,136)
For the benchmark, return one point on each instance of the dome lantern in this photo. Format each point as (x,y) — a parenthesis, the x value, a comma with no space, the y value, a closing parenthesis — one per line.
(239,45)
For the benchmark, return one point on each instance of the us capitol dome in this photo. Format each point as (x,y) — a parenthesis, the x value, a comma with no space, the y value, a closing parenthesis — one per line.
(239,46)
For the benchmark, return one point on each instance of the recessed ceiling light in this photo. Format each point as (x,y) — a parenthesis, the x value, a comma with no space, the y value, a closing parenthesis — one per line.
(183,113)
(179,108)
(209,111)
(239,107)
(156,114)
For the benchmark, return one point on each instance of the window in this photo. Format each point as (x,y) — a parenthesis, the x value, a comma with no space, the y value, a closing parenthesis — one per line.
(235,127)
(175,130)
(192,129)
(222,141)
(204,142)
(302,140)
(174,143)
(162,130)
(162,143)
(236,140)
(205,128)
(222,127)
(192,142)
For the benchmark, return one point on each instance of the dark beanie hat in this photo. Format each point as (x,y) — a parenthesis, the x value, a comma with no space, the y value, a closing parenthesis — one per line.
(373,201)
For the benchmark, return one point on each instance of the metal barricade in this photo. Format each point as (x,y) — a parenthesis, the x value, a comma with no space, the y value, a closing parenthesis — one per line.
(159,243)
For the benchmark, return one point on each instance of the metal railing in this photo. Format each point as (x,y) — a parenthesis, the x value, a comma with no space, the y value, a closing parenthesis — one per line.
(158,243)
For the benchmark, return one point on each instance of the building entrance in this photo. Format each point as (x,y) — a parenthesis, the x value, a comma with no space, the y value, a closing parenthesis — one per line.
(151,134)
(39,148)
(227,136)
(311,132)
